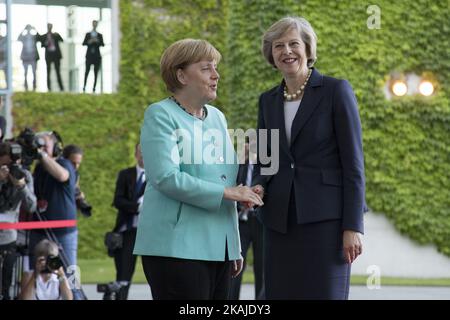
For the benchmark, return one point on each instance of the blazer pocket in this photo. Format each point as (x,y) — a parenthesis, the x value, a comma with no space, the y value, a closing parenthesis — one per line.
(332,177)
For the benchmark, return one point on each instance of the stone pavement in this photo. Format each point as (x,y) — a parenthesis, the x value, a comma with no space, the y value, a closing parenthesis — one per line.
(142,292)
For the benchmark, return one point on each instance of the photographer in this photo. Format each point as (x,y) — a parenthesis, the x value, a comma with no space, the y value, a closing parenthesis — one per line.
(55,179)
(16,190)
(48,280)
(75,155)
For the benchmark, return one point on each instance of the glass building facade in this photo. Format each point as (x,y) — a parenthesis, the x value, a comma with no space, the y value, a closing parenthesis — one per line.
(72,20)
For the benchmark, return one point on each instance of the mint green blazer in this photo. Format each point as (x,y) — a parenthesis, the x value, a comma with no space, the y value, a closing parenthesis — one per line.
(188,164)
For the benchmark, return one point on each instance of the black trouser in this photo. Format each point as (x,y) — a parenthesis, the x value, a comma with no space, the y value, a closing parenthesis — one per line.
(251,233)
(97,63)
(124,259)
(8,257)
(186,279)
(58,73)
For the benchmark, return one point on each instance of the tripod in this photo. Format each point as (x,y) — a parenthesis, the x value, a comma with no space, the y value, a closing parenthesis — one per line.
(7,262)
(2,254)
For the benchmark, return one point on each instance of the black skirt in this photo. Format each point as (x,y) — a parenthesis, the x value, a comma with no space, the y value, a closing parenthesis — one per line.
(307,262)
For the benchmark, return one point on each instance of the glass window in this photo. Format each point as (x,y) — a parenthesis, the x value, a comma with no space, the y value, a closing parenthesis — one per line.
(71,23)
(3,56)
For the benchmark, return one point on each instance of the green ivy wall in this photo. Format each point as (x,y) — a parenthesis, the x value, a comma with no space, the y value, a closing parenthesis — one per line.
(406,141)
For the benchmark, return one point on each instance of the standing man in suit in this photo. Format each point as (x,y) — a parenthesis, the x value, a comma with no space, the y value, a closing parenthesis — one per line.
(314,204)
(250,231)
(128,199)
(50,41)
(93,40)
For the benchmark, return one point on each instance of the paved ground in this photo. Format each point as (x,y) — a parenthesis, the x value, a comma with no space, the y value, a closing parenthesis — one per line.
(142,292)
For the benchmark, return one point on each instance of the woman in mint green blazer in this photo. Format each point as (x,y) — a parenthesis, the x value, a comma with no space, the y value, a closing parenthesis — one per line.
(187,232)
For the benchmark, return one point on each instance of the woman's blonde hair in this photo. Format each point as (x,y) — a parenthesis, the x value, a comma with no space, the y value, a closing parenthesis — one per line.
(280,27)
(46,248)
(181,54)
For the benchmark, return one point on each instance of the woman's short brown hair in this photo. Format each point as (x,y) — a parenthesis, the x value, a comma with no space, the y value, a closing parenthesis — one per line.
(181,54)
(277,30)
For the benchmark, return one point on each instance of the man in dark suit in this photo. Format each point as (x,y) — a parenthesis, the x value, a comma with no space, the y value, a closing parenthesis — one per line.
(93,40)
(50,41)
(128,199)
(251,233)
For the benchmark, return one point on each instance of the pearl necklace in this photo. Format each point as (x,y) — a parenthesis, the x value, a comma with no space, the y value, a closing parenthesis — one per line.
(294,96)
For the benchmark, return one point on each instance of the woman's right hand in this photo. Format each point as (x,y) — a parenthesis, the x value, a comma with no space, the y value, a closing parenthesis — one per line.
(41,263)
(243,194)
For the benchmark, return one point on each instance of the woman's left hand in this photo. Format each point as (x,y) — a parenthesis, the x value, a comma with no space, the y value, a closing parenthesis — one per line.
(237,267)
(352,245)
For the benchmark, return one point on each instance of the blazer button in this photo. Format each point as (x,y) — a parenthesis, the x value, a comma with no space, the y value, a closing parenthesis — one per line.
(221,159)
(223,177)
(292,166)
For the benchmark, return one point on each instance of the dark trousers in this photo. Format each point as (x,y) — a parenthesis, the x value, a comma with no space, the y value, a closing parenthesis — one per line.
(186,279)
(8,259)
(57,64)
(307,262)
(96,64)
(251,233)
(124,259)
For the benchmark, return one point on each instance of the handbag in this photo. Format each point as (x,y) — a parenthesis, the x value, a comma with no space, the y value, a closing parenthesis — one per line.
(113,241)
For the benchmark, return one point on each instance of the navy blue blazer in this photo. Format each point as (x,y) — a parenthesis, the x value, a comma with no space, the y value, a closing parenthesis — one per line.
(325,162)
(124,196)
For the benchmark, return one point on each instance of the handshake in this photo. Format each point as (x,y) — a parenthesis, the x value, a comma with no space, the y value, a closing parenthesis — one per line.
(248,196)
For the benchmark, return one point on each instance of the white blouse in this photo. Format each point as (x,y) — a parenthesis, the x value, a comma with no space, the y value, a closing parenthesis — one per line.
(47,290)
(290,110)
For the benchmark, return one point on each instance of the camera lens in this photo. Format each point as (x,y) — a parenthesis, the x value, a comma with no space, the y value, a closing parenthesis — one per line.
(54,262)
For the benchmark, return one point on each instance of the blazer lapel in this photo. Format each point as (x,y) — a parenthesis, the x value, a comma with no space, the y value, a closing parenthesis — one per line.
(310,101)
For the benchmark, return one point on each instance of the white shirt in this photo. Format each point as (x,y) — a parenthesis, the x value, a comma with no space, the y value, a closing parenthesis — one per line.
(47,290)
(290,110)
(139,170)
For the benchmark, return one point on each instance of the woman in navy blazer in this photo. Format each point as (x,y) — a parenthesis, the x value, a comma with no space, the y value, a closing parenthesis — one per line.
(313,206)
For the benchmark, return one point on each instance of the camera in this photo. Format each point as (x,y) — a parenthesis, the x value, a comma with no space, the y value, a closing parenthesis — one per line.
(52,264)
(30,143)
(114,290)
(15,169)
(84,207)
(7,188)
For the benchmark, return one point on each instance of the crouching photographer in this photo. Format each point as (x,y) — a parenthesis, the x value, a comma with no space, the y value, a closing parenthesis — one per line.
(16,191)
(48,280)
